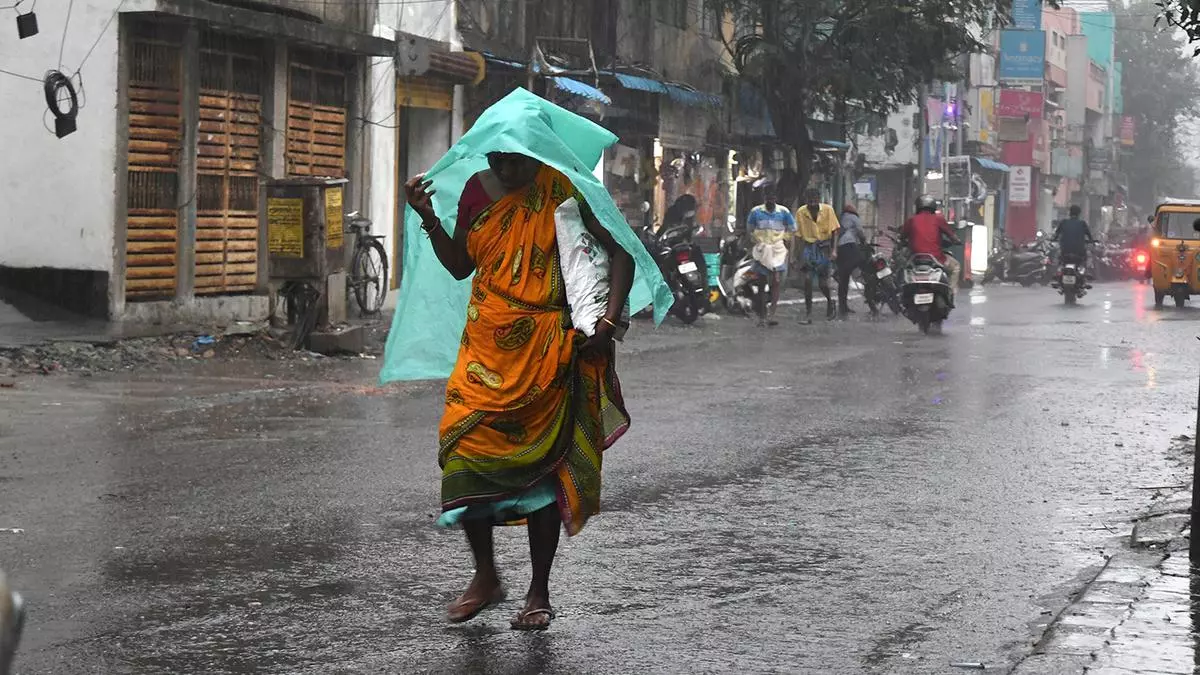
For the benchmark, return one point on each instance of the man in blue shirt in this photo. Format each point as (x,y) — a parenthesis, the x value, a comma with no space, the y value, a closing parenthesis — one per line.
(771,226)
(1073,235)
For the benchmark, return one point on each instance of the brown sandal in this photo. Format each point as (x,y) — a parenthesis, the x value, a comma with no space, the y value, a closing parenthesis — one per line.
(474,607)
(522,621)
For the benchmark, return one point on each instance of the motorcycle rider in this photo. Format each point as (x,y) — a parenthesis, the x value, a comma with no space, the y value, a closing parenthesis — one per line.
(924,232)
(1074,236)
(770,226)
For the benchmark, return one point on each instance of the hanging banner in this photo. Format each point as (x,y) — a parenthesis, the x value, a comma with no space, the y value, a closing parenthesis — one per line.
(1027,14)
(934,110)
(986,115)
(1022,56)
(1128,131)
(1019,103)
(1020,186)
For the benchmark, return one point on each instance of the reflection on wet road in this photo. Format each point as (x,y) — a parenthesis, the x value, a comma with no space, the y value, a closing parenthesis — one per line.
(841,498)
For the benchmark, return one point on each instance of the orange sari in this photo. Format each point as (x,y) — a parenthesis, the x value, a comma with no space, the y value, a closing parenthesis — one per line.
(526,418)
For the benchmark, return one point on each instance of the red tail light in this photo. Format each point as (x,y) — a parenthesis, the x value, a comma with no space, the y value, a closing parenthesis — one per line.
(683,256)
(1141,258)
(880,264)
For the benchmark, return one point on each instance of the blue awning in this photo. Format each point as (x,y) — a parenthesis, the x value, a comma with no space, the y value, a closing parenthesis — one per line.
(837,145)
(991,164)
(580,89)
(640,83)
(697,99)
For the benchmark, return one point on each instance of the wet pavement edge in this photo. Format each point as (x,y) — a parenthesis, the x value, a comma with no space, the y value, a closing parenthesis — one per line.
(1137,613)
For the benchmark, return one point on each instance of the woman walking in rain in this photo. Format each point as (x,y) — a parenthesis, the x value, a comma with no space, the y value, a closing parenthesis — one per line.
(531,403)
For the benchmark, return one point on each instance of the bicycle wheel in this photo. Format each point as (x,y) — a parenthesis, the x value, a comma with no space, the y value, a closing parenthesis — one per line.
(369,275)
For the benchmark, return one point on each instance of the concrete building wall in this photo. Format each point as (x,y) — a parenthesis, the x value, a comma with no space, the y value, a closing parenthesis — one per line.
(59,193)
(686,55)
(418,136)
(1059,25)
(357,16)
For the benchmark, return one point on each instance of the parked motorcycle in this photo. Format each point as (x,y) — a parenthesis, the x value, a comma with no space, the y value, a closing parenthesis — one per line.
(682,266)
(742,287)
(997,266)
(1071,281)
(879,281)
(926,293)
(1031,263)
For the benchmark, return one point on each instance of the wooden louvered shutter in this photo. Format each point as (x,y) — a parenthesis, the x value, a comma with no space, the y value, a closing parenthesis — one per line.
(155,141)
(317,112)
(228,156)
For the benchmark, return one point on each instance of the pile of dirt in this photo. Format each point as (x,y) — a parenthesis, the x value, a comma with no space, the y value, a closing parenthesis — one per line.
(171,351)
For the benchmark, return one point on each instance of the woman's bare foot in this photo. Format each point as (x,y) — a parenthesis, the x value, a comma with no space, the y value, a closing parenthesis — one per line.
(483,591)
(536,614)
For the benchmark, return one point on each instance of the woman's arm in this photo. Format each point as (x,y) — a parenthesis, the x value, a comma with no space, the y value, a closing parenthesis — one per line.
(450,251)
(620,270)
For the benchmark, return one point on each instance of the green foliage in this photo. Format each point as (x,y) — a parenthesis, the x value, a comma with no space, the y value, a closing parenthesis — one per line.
(813,57)
(1161,90)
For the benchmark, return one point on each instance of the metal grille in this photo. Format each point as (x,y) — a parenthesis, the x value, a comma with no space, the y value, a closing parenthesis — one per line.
(317,111)
(155,139)
(228,155)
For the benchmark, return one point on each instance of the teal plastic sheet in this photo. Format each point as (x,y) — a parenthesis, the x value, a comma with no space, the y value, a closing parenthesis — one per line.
(431,310)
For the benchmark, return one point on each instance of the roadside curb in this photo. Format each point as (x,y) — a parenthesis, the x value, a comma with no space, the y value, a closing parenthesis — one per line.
(1134,615)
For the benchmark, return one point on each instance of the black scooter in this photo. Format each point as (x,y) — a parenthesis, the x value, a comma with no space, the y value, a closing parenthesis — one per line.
(880,286)
(682,266)
(1032,263)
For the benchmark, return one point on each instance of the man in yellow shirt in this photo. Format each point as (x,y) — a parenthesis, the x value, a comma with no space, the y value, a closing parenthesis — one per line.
(816,233)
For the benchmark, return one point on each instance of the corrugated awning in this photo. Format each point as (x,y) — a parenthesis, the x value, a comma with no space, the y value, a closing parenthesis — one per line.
(457,67)
(640,83)
(991,164)
(696,99)
(580,89)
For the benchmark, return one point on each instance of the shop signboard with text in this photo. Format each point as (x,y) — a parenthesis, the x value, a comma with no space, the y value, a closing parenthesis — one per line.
(1022,56)
(1020,186)
(1028,105)
(1027,14)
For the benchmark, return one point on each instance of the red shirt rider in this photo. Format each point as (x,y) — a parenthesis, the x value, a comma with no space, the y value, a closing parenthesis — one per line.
(924,232)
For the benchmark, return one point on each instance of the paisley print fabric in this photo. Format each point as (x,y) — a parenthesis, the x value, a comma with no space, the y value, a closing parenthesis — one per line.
(522,407)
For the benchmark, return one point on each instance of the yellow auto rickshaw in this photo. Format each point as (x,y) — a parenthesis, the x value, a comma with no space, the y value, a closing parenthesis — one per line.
(1175,251)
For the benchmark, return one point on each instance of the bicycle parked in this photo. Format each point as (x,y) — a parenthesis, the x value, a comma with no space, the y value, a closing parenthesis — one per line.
(368,276)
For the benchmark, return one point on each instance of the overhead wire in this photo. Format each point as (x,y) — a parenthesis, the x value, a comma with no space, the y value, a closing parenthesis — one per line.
(66,24)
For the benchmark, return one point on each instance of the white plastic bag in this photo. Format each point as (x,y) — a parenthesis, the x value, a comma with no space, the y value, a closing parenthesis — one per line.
(585,268)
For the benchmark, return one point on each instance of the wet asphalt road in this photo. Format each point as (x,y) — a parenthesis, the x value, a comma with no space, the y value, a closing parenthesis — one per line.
(841,498)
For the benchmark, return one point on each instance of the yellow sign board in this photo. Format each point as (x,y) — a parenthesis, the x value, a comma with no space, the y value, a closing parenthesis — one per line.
(285,226)
(334,235)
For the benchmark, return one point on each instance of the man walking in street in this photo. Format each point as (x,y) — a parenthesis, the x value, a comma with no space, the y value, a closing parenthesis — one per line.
(849,254)
(817,227)
(770,226)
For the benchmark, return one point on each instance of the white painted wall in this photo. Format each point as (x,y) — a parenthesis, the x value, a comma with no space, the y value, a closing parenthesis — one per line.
(427,139)
(59,194)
